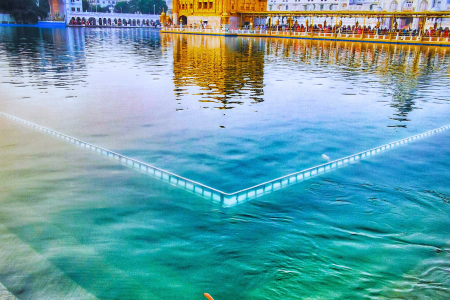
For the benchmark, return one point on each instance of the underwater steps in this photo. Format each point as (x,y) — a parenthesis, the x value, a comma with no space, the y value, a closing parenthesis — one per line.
(29,275)
(229,199)
(5,294)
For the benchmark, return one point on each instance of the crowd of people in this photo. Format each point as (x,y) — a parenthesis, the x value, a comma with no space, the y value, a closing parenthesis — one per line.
(355,29)
(152,23)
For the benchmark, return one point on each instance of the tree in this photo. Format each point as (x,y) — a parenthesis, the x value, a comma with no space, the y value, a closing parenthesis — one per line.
(86,5)
(44,5)
(133,6)
(122,7)
(141,6)
(151,6)
(25,11)
(98,8)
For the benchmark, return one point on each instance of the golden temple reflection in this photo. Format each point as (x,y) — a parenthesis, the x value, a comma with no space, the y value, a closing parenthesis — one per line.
(228,72)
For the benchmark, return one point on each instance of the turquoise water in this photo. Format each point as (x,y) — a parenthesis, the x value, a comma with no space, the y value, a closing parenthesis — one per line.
(229,113)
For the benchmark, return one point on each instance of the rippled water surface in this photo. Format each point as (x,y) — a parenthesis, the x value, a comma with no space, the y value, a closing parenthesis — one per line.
(230,113)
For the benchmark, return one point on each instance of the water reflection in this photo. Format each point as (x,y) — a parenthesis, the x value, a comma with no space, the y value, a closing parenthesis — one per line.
(212,194)
(108,46)
(228,71)
(121,236)
(61,57)
(232,70)
(45,56)
(399,72)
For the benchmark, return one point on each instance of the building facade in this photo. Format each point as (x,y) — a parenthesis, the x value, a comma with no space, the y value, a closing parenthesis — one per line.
(215,13)
(361,5)
(358,5)
(61,8)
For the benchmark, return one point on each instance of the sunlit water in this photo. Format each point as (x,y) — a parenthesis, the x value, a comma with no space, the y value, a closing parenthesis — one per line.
(230,113)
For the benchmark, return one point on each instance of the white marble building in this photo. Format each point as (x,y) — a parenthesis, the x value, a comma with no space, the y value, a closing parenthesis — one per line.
(306,5)
(357,5)
(60,8)
(361,5)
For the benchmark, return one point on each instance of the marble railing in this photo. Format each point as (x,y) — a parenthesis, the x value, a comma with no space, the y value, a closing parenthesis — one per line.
(228,199)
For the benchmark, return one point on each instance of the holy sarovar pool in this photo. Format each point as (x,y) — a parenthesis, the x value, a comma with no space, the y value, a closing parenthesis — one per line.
(228,113)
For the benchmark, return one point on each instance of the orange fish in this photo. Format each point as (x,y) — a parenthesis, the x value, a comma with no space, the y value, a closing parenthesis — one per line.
(208,296)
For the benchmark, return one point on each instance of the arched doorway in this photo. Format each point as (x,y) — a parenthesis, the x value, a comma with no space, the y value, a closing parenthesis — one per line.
(407,5)
(393,6)
(423,6)
(138,22)
(437,5)
(92,21)
(119,22)
(134,22)
(100,22)
(183,20)
(406,23)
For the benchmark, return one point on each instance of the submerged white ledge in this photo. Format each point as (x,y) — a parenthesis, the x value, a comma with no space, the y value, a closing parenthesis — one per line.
(228,199)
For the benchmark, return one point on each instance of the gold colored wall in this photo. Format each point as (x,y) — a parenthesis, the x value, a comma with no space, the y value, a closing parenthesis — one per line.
(216,12)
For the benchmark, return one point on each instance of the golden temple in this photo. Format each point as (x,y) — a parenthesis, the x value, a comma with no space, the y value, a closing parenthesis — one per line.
(215,13)
(251,18)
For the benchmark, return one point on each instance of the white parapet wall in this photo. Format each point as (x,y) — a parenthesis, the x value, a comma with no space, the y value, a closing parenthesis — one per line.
(111,18)
(6,19)
(215,195)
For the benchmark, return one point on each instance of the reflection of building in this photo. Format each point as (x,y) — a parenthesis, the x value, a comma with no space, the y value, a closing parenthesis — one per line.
(215,12)
(227,71)
(398,70)
(230,71)
(60,56)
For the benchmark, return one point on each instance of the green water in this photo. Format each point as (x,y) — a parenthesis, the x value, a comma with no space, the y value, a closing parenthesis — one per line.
(377,229)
